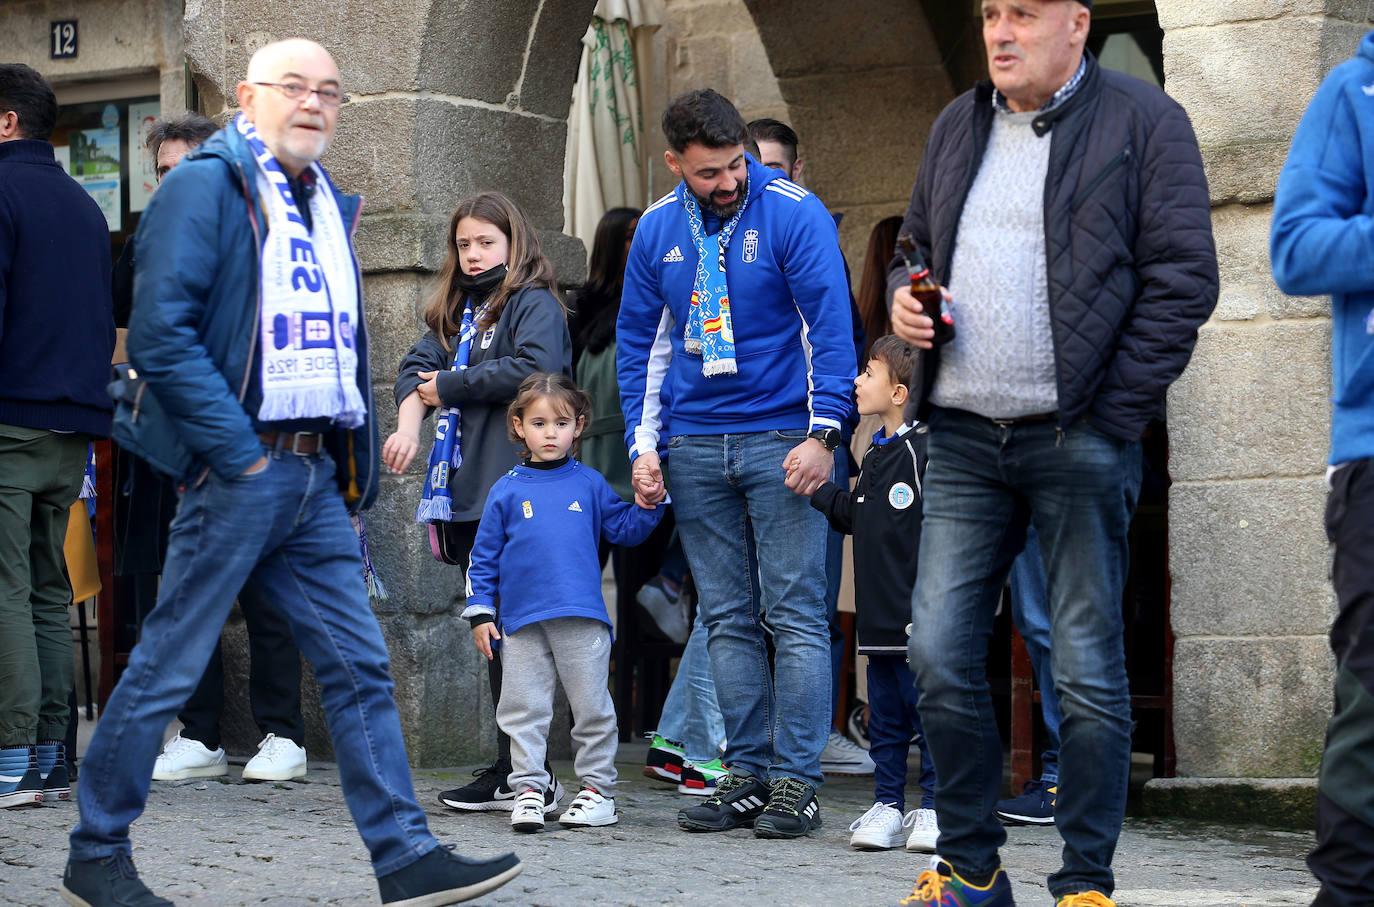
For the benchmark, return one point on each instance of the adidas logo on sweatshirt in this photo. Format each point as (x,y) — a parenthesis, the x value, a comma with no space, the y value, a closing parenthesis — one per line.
(674,254)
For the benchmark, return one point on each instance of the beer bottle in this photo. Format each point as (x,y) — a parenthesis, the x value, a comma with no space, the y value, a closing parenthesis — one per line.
(926,290)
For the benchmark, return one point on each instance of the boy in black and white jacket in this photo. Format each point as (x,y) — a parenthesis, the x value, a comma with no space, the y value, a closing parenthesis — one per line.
(883,513)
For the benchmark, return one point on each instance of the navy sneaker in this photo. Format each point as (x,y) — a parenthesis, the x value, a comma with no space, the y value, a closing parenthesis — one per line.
(108,882)
(737,802)
(1035,805)
(52,766)
(443,877)
(21,783)
(792,810)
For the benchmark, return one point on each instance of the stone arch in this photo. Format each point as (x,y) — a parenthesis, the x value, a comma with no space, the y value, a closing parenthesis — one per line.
(863,82)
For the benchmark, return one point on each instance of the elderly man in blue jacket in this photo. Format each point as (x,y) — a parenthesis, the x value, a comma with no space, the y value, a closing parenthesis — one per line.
(1320,243)
(1083,268)
(248,329)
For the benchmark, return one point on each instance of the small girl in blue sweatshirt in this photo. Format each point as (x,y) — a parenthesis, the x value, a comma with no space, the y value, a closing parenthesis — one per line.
(536,553)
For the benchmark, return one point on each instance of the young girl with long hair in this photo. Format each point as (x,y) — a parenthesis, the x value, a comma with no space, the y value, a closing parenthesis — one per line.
(494,320)
(536,554)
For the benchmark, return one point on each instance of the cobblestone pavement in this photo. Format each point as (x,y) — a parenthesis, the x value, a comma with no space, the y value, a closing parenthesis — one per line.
(230,842)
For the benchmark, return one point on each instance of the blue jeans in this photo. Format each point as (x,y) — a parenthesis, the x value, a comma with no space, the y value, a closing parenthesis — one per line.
(690,713)
(722,485)
(1030,611)
(287,529)
(892,722)
(985,483)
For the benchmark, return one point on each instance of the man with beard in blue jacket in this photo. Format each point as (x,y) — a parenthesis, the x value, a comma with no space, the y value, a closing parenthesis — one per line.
(736,348)
(248,329)
(1320,242)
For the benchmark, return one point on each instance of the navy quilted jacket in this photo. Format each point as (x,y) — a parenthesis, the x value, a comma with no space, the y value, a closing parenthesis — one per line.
(1128,236)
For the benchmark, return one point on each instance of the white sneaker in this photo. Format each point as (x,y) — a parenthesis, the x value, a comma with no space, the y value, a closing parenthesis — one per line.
(278,759)
(667,609)
(589,809)
(843,756)
(881,828)
(183,757)
(925,831)
(528,814)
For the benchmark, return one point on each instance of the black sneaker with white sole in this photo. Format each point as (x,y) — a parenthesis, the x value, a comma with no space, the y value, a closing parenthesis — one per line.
(792,810)
(737,802)
(443,877)
(488,792)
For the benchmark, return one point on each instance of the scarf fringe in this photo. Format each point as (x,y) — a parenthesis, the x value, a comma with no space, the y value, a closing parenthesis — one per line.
(719,367)
(432,509)
(371,581)
(310,404)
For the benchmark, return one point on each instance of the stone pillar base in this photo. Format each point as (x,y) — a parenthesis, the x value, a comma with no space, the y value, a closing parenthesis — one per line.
(1275,802)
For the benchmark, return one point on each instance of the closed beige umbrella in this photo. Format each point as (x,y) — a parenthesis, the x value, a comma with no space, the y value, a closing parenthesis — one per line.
(606,165)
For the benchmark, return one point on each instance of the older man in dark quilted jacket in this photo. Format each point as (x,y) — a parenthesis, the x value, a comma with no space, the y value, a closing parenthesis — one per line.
(1083,268)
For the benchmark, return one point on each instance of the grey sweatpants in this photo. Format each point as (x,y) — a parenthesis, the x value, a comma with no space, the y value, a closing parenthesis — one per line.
(577,651)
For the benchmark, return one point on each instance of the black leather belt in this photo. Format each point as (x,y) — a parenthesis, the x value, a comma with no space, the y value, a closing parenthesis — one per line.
(1032,419)
(301,442)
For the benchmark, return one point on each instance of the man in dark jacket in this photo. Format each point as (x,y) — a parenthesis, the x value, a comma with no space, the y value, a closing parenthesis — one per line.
(1083,268)
(56,337)
(248,328)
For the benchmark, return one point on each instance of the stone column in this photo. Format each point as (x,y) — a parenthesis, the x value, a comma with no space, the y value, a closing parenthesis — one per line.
(447,99)
(1248,424)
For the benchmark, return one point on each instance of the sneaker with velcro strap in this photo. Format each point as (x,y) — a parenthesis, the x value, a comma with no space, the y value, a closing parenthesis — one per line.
(589,809)
(528,813)
(739,800)
(792,810)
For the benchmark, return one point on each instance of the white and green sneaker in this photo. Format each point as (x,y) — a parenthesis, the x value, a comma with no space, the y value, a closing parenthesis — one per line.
(700,778)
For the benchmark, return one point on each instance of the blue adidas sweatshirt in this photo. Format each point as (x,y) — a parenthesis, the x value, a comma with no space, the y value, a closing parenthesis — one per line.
(536,547)
(1322,238)
(789,300)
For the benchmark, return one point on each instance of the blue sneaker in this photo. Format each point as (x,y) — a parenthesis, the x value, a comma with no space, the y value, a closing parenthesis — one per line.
(941,886)
(1035,805)
(52,766)
(21,784)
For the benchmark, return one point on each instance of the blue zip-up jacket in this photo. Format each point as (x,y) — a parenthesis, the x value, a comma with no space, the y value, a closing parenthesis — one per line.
(1322,238)
(789,299)
(536,547)
(195,325)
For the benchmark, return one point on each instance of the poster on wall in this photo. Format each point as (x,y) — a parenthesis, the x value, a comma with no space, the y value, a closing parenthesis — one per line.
(142,167)
(64,157)
(95,155)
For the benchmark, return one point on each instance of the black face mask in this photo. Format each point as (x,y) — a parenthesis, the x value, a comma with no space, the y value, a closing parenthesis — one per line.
(481,284)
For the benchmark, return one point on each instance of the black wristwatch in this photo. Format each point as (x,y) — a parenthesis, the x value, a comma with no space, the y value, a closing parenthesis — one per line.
(830,437)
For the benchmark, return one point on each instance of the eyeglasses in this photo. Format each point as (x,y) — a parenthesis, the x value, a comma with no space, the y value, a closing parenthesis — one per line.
(299,91)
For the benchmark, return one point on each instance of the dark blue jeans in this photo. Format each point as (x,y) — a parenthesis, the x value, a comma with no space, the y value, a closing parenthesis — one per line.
(892,722)
(985,483)
(287,529)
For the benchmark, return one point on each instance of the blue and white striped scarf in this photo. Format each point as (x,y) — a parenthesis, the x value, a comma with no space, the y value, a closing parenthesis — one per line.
(709,332)
(436,503)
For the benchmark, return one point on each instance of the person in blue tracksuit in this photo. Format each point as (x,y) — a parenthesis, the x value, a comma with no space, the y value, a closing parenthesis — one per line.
(736,356)
(1321,234)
